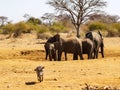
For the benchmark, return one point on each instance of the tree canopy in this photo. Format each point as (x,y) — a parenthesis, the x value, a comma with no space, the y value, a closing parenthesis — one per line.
(79,10)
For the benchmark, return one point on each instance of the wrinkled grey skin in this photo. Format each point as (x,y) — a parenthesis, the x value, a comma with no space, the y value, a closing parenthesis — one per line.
(70,46)
(87,48)
(51,51)
(50,40)
(98,41)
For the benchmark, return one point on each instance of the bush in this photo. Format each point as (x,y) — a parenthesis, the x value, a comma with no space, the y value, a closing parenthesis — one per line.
(34,21)
(1,30)
(97,26)
(114,30)
(8,29)
(21,27)
(57,27)
(116,26)
(42,29)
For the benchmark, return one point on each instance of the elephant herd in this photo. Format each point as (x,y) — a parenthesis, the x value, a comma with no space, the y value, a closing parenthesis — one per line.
(90,45)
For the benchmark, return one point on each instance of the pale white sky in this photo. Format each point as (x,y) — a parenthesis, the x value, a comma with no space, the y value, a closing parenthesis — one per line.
(15,9)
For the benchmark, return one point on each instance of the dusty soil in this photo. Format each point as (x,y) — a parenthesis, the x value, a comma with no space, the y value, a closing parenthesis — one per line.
(19,57)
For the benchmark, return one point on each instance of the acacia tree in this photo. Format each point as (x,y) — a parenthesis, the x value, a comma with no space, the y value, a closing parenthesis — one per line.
(105,18)
(79,10)
(3,20)
(48,18)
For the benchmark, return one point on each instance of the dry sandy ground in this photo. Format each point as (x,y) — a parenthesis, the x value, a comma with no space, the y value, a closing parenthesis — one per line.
(16,69)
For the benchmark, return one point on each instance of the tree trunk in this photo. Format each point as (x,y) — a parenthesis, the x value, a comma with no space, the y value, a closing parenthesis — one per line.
(78,32)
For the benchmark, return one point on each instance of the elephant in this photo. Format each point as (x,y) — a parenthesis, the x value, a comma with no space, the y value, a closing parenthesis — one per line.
(50,40)
(87,48)
(73,45)
(52,50)
(98,41)
(55,38)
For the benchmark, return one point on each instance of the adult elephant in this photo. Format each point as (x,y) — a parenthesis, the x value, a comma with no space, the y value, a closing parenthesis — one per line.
(47,45)
(98,41)
(72,45)
(87,48)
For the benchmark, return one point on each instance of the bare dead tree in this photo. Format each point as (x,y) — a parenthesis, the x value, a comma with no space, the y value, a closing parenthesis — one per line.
(79,10)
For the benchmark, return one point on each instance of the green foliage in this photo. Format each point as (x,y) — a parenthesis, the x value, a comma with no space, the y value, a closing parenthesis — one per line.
(116,26)
(42,28)
(97,26)
(34,21)
(1,31)
(111,30)
(21,27)
(57,27)
(114,30)
(8,29)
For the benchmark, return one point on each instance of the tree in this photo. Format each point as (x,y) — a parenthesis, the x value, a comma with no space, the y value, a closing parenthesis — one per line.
(3,20)
(105,18)
(78,10)
(34,20)
(48,18)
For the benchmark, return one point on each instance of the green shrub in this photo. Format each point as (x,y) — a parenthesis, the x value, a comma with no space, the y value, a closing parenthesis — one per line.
(57,27)
(97,26)
(116,26)
(34,21)
(1,30)
(21,27)
(42,29)
(8,29)
(114,30)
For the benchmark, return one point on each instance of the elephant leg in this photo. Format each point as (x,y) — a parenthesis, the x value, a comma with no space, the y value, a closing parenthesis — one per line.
(102,50)
(65,56)
(50,55)
(88,56)
(59,55)
(46,53)
(54,55)
(97,53)
(94,54)
(75,56)
(81,56)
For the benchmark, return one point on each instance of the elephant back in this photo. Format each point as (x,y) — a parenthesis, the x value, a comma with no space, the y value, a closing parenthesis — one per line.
(72,45)
(95,37)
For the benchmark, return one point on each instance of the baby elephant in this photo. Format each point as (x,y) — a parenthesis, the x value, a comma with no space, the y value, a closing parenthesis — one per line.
(39,72)
(51,50)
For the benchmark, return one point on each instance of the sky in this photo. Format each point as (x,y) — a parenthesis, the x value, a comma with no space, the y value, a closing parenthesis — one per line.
(15,9)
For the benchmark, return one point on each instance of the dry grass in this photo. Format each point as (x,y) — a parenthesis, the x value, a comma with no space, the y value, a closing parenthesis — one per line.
(17,69)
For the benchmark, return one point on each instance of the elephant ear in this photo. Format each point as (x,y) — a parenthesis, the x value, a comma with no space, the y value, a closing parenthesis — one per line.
(89,35)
